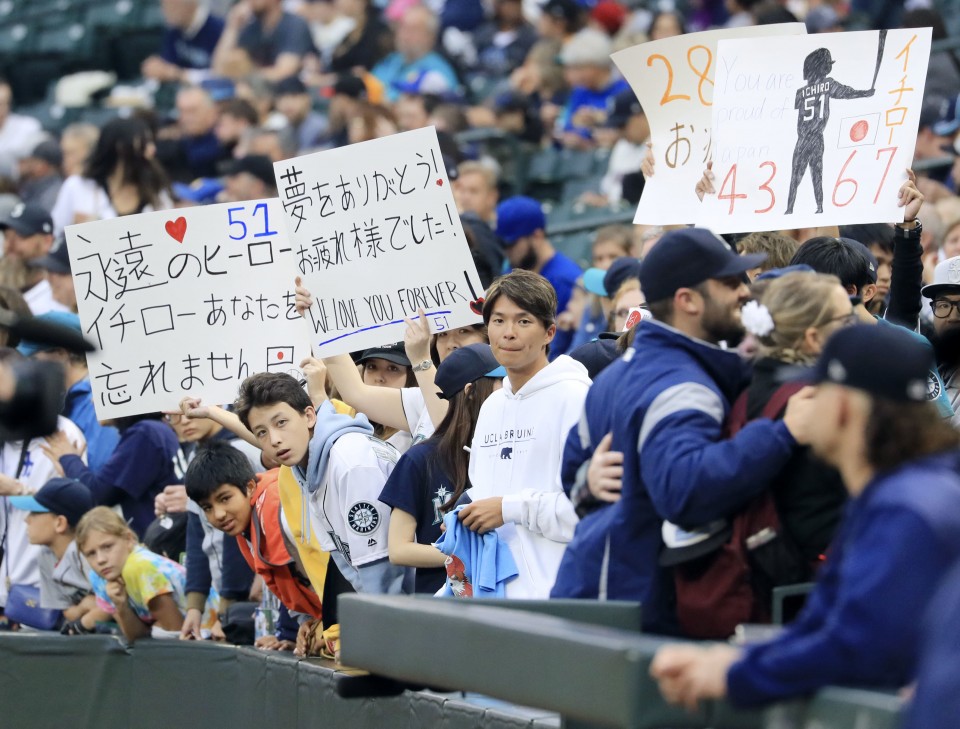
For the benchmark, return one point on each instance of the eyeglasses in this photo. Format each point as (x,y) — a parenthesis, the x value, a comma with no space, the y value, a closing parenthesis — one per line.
(943,307)
(846,320)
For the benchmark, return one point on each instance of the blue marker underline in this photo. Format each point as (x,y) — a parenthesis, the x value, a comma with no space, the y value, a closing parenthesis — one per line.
(378,326)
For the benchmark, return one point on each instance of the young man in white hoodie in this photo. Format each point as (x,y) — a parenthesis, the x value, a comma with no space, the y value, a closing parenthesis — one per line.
(518,442)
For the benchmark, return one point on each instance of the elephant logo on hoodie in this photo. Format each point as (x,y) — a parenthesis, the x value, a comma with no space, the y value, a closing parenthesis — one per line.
(506,454)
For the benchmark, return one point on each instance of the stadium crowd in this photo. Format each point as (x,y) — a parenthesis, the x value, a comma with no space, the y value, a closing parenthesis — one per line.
(688,422)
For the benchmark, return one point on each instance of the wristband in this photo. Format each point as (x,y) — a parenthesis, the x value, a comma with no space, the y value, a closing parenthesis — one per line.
(910,233)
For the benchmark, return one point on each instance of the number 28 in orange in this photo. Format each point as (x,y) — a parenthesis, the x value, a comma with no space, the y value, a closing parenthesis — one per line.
(703,75)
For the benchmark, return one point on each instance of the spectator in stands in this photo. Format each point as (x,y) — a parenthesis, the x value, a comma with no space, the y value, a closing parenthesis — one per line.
(416,38)
(53,513)
(626,296)
(944,295)
(515,470)
(194,149)
(521,226)
(307,126)
(607,16)
(143,591)
(504,41)
(589,71)
(371,122)
(11,300)
(28,235)
(24,469)
(121,177)
(943,73)
(76,143)
(189,41)
(364,46)
(56,266)
(237,119)
(665,408)
(17,132)
(560,20)
(934,139)
(627,132)
(874,424)
(328,27)
(260,36)
(250,178)
(475,191)
(347,94)
(40,177)
(878,238)
(777,247)
(418,99)
(78,401)
(140,467)
(432,476)
(741,14)
(274,144)
(612,265)
(666,24)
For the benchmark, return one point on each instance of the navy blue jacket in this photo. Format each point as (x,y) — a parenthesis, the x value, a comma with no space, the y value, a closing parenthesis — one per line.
(861,624)
(666,407)
(936,704)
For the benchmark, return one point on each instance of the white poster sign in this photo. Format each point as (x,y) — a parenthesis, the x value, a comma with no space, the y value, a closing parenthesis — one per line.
(673,79)
(187,301)
(815,130)
(376,237)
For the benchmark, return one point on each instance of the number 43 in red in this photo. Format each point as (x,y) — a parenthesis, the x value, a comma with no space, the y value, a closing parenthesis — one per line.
(728,188)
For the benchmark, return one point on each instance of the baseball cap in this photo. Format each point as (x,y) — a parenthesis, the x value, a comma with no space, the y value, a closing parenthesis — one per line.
(871,259)
(67,319)
(56,261)
(610,15)
(946,279)
(606,282)
(589,47)
(465,365)
(683,545)
(27,220)
(596,355)
(620,108)
(61,496)
(860,357)
(257,165)
(424,82)
(203,190)
(49,151)
(779,272)
(395,353)
(291,85)
(519,216)
(688,257)
(949,121)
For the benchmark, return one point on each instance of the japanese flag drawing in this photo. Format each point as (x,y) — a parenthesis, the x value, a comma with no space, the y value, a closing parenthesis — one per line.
(858,131)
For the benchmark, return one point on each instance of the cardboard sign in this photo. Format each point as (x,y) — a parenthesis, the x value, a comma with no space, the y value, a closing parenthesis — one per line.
(815,130)
(376,236)
(188,301)
(673,79)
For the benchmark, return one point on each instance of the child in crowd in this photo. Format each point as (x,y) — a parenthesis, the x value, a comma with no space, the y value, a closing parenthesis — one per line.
(242,506)
(143,591)
(340,468)
(432,475)
(53,514)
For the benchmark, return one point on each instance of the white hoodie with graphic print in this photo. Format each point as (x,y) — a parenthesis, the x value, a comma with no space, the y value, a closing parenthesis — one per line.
(516,453)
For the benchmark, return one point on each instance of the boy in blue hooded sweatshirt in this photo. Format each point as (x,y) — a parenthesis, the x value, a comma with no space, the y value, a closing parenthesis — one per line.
(340,468)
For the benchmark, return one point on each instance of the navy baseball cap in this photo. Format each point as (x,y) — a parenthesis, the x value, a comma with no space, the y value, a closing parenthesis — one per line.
(28,220)
(606,283)
(687,257)
(65,497)
(56,261)
(465,365)
(519,216)
(395,353)
(860,357)
(596,355)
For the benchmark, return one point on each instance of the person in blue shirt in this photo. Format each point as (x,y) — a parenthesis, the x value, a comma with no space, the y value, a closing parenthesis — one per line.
(587,69)
(189,40)
(415,40)
(899,536)
(431,476)
(260,35)
(139,469)
(521,226)
(78,402)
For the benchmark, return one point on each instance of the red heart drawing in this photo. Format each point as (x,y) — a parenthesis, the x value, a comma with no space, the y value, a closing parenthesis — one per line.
(477,306)
(439,183)
(177,229)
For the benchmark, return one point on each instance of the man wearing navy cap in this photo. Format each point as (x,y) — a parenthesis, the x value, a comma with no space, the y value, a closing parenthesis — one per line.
(27,234)
(899,537)
(665,404)
(521,225)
